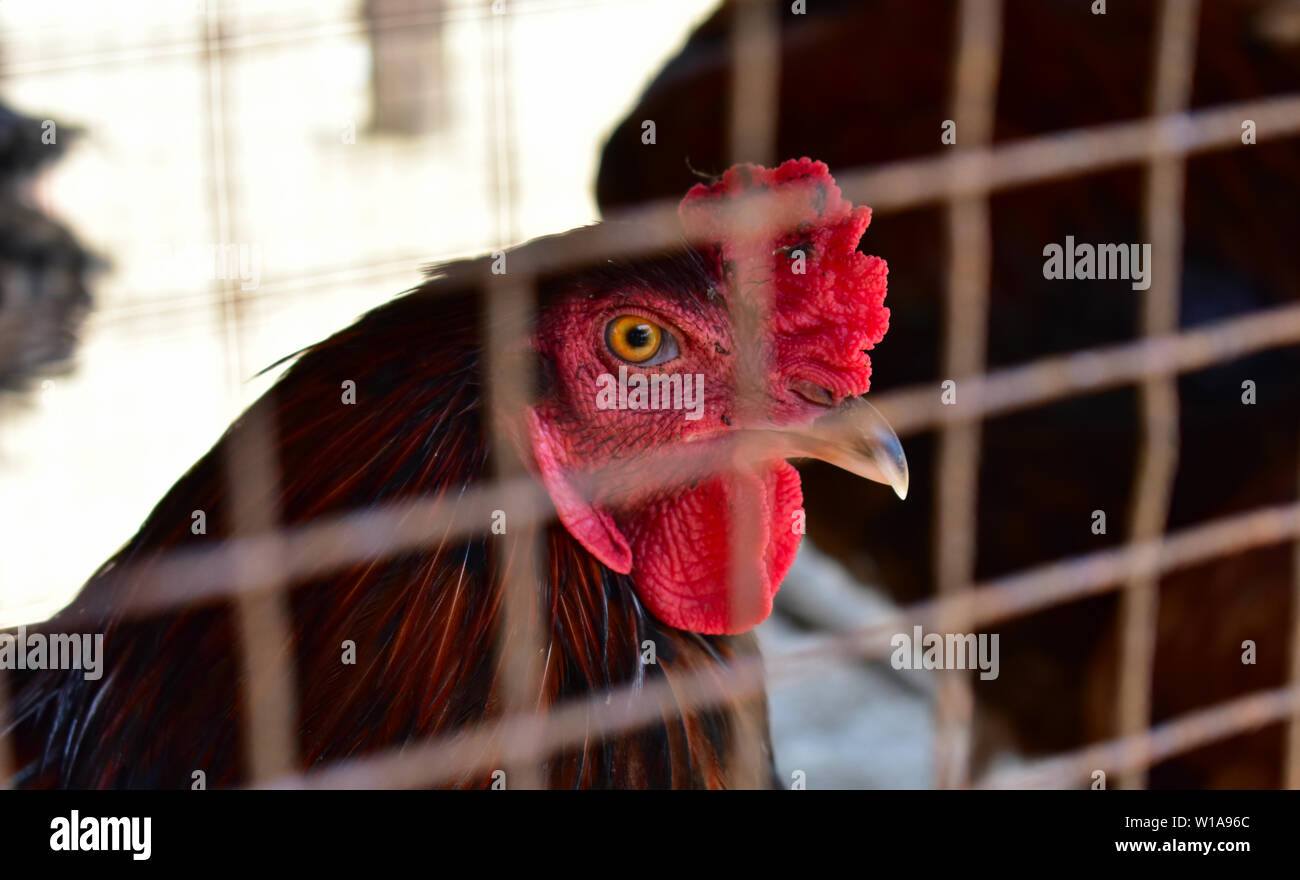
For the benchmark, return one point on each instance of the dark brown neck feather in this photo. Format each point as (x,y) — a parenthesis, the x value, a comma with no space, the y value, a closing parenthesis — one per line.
(426,623)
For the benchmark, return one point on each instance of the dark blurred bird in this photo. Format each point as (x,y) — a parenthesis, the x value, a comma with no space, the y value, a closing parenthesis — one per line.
(863,83)
(627,565)
(43,268)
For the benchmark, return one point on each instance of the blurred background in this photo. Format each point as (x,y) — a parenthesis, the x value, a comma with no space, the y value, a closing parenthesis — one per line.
(228,182)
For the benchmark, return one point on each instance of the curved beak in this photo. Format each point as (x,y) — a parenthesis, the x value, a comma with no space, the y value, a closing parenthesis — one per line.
(854,436)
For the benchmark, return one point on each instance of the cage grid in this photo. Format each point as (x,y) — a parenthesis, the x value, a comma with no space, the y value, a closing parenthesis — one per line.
(257,566)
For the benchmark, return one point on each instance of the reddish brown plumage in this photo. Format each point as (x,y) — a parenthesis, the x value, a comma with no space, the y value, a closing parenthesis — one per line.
(426,623)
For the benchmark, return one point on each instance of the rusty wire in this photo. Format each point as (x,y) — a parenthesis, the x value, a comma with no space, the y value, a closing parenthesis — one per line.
(1158,456)
(266,646)
(755,70)
(974,106)
(508,309)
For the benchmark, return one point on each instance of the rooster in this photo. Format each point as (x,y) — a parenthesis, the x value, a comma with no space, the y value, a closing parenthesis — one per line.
(777,319)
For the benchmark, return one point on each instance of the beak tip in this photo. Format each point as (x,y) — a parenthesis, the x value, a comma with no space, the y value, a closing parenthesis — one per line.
(900,476)
(901,482)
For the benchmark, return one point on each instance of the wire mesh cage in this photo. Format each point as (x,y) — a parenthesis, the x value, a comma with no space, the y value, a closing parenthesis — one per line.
(254,570)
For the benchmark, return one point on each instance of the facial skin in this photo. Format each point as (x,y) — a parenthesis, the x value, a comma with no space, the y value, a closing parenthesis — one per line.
(703,512)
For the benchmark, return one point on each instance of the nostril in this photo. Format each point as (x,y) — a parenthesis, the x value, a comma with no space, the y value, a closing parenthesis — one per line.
(812,392)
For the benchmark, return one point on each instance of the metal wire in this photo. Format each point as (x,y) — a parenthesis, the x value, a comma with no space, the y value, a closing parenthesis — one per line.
(266,642)
(1292,778)
(264,558)
(1131,756)
(1090,371)
(755,61)
(1158,465)
(974,97)
(266,639)
(507,315)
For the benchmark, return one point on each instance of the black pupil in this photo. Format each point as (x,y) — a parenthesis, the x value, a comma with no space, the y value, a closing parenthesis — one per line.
(638,336)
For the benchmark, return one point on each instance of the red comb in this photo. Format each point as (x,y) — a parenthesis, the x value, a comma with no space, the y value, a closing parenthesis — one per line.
(824,319)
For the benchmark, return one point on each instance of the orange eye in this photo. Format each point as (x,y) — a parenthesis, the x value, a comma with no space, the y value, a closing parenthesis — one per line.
(634,339)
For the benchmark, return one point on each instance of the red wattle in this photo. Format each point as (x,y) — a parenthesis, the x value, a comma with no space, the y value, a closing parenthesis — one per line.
(681,550)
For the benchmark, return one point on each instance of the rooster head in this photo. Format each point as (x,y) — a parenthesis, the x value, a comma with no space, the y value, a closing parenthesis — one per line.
(675,389)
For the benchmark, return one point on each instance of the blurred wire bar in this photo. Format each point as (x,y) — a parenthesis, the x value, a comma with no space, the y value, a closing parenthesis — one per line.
(755,66)
(266,639)
(974,101)
(1158,460)
(755,82)
(1132,755)
(1292,770)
